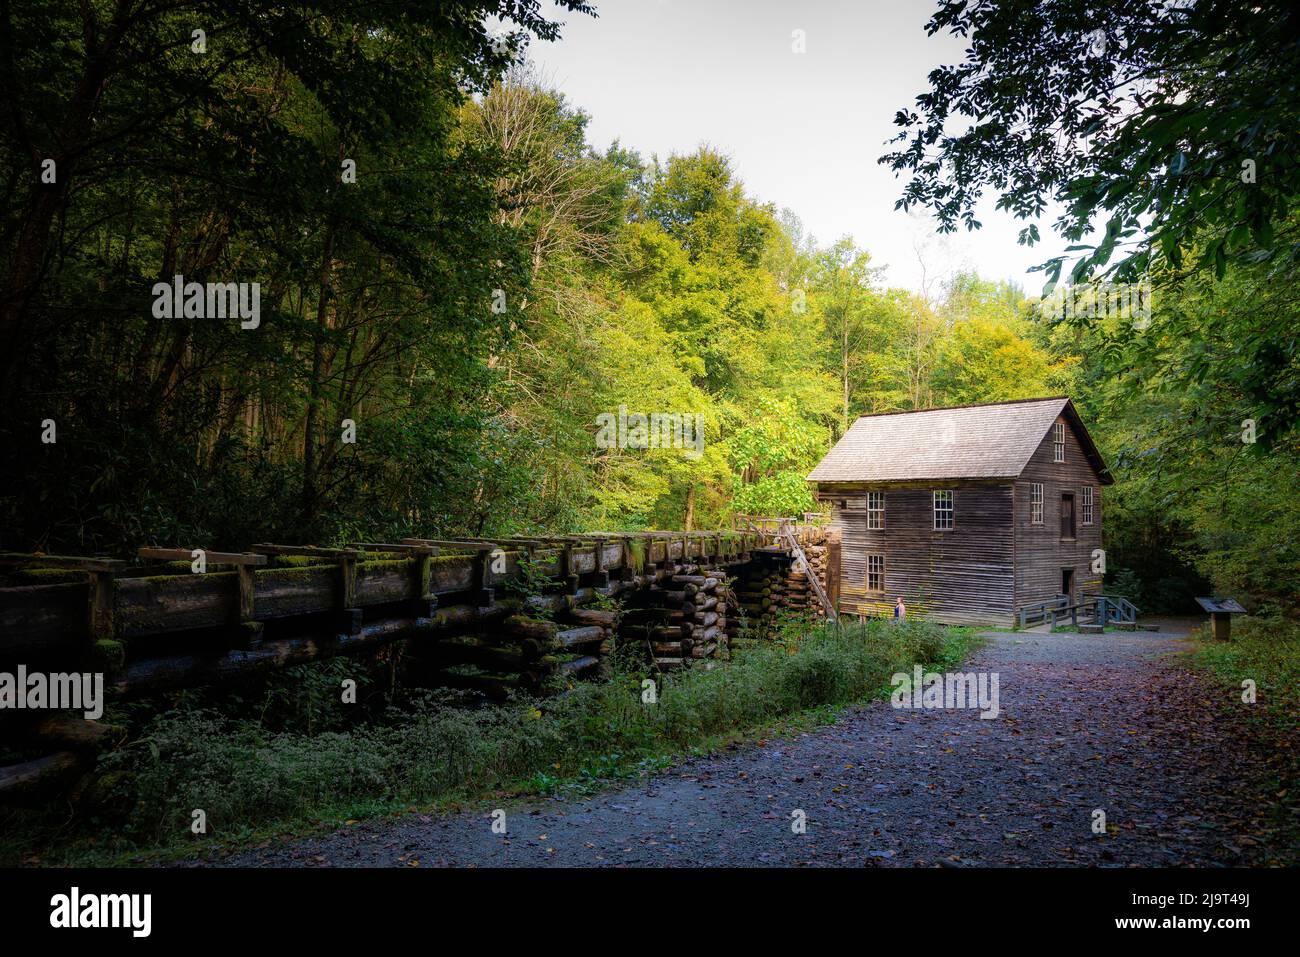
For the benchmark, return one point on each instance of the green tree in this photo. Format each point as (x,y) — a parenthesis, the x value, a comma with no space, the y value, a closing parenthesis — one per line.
(843,282)
(225,162)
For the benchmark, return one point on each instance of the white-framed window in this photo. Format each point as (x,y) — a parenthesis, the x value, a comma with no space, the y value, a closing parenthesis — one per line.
(875,573)
(1058,442)
(875,510)
(1035,503)
(1086,503)
(943,510)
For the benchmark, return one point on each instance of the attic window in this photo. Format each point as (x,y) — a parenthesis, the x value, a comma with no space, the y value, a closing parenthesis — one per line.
(875,510)
(943,510)
(1058,442)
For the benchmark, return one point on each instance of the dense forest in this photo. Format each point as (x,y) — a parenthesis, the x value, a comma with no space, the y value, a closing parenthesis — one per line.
(353,271)
(455,286)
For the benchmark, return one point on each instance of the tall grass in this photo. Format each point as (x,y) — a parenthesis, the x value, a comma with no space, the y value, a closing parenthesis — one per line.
(1266,651)
(246,778)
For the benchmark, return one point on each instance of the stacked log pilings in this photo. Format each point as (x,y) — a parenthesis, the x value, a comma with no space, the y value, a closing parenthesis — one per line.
(681,618)
(772,582)
(526,652)
(757,590)
(800,596)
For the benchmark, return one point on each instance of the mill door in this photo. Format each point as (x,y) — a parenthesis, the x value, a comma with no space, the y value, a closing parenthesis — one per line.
(1067,515)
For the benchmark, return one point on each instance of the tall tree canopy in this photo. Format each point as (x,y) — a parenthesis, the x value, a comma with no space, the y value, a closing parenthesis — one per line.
(1168,134)
(1141,113)
(141,141)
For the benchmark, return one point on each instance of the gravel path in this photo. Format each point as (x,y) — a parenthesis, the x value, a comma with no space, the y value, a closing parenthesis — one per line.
(1087,722)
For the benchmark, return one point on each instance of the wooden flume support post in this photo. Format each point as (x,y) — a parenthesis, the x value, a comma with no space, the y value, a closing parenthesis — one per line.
(349,616)
(427,604)
(795,568)
(106,651)
(100,605)
(601,575)
(422,605)
(247,627)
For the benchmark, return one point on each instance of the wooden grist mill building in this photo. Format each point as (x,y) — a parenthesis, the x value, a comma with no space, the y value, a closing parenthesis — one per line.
(969,513)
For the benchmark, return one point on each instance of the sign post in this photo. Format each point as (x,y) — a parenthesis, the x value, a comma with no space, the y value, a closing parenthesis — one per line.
(1221,611)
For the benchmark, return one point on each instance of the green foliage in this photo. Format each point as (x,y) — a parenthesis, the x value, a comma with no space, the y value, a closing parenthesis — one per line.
(533,580)
(785,493)
(1169,132)
(655,286)
(375,295)
(1265,651)
(1140,114)
(1199,508)
(991,353)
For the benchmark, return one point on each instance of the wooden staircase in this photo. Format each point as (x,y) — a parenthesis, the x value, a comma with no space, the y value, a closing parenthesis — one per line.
(789,540)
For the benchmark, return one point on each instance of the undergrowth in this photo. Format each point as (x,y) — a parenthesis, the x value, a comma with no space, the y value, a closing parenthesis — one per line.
(1263,658)
(251,777)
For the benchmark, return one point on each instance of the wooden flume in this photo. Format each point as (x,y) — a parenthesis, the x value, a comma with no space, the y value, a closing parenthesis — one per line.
(466,609)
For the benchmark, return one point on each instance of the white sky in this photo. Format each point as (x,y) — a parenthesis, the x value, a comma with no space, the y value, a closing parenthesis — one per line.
(803,130)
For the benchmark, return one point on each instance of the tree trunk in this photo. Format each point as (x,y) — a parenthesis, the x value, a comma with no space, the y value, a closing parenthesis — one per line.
(310,456)
(28,264)
(844,375)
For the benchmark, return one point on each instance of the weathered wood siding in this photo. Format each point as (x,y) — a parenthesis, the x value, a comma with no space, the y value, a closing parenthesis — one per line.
(959,576)
(1040,551)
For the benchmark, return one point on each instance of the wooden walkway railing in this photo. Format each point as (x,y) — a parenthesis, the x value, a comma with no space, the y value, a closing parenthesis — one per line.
(59,608)
(1101,609)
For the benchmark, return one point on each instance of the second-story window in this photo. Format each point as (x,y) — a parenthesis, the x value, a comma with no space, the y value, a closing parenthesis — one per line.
(875,510)
(1087,505)
(1035,503)
(1058,442)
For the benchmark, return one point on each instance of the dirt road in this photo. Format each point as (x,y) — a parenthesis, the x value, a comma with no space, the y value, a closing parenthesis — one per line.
(1106,723)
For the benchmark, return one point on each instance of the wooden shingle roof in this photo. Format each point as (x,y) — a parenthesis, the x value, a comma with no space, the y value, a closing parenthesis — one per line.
(994,441)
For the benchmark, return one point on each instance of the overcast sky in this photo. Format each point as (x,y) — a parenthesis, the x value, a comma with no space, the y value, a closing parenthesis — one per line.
(803,130)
